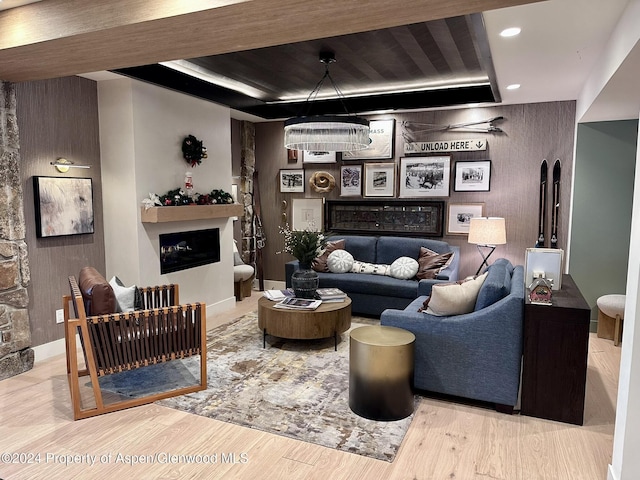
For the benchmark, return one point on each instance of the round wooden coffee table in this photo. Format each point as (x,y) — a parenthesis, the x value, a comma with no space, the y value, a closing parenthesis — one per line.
(328,320)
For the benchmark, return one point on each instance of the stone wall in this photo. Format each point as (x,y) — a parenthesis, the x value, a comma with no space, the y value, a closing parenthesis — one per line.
(15,336)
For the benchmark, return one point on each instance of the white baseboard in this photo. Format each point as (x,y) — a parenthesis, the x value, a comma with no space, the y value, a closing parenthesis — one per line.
(219,307)
(611,474)
(48,350)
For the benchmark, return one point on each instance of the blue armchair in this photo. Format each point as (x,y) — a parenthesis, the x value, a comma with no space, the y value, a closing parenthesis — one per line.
(475,355)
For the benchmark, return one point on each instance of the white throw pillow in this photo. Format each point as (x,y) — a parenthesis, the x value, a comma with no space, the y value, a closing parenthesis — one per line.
(404,268)
(454,298)
(339,261)
(125,296)
(371,268)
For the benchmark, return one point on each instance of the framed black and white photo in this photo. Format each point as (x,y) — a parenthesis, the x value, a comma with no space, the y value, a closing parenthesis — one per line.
(459,217)
(351,181)
(473,176)
(309,156)
(307,214)
(424,176)
(292,181)
(380,180)
(382,134)
(64,206)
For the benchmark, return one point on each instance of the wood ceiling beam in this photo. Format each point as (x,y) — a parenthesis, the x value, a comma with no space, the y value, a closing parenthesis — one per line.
(56,38)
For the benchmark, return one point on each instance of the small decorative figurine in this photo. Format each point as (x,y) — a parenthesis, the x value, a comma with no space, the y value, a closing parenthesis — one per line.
(540,291)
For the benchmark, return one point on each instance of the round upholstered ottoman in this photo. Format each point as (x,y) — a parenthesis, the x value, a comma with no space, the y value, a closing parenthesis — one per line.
(610,317)
(381,372)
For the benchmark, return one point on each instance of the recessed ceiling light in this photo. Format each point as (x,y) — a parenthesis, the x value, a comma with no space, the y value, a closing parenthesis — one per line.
(513,86)
(510,32)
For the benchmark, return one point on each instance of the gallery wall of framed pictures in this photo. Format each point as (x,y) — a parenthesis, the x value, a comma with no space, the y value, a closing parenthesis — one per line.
(437,170)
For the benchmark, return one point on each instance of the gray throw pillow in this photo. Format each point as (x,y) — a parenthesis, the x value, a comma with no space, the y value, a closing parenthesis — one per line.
(128,298)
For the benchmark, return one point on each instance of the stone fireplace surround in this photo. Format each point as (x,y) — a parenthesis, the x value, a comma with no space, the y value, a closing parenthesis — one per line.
(16,356)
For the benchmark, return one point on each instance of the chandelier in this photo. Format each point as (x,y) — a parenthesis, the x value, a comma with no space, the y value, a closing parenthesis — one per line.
(330,133)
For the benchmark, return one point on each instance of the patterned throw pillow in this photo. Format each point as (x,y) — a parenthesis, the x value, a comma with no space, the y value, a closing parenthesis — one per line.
(319,264)
(432,263)
(404,268)
(372,268)
(339,261)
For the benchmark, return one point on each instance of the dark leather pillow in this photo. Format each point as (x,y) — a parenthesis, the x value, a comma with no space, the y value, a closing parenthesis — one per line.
(98,296)
(425,304)
(431,263)
(319,264)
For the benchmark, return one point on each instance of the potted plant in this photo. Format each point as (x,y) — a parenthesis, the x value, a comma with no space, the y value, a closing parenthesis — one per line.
(305,245)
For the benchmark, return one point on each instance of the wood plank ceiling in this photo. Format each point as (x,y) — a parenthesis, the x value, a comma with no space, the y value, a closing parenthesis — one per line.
(420,65)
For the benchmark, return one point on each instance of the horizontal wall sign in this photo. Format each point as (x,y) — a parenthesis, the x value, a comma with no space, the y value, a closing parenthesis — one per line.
(473,145)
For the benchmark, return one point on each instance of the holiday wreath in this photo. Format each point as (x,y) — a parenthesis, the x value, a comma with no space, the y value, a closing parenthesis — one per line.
(193,151)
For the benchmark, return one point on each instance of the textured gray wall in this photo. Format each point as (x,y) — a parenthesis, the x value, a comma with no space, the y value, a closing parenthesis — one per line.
(58,118)
(532,132)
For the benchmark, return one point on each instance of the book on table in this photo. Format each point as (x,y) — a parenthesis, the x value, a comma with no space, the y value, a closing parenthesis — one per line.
(298,303)
(277,295)
(326,294)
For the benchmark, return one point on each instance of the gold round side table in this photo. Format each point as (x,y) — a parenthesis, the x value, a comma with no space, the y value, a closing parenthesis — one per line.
(381,372)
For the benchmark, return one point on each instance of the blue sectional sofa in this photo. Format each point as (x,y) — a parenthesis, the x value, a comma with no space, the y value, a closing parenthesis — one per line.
(475,355)
(371,294)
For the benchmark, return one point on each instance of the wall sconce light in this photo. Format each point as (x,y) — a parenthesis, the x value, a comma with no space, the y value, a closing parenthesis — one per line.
(63,165)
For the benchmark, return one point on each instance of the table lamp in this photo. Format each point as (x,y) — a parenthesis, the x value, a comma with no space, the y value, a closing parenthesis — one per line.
(487,232)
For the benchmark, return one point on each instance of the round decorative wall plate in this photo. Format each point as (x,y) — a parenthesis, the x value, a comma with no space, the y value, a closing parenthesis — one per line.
(322,182)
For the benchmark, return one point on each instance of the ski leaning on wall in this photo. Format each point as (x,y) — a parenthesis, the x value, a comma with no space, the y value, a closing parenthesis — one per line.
(542,209)
(556,204)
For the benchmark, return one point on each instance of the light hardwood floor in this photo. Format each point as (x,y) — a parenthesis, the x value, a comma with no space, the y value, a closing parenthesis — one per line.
(446,440)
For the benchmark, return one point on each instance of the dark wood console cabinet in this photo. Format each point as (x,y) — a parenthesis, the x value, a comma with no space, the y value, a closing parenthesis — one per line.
(556,343)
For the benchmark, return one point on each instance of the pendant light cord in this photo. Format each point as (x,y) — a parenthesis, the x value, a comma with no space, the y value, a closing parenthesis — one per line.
(327,60)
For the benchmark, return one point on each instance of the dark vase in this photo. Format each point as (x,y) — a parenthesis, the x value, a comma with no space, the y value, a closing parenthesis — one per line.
(304,282)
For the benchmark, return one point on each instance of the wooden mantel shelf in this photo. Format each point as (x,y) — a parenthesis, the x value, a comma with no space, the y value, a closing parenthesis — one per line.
(189,212)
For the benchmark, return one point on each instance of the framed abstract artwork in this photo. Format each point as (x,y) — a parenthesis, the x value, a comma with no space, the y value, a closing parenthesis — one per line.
(351,181)
(63,206)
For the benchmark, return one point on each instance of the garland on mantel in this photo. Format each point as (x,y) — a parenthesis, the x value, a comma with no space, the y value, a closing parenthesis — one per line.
(177,197)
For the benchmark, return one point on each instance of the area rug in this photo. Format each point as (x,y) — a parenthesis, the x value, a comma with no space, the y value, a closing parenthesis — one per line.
(299,389)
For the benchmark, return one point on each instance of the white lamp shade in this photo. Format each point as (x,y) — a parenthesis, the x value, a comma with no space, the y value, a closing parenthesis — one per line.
(487,231)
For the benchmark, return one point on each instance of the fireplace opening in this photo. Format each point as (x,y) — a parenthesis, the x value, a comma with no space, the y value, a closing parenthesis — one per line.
(183,250)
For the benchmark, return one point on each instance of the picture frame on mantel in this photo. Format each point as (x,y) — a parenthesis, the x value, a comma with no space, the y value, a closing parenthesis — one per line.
(382,135)
(292,181)
(63,206)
